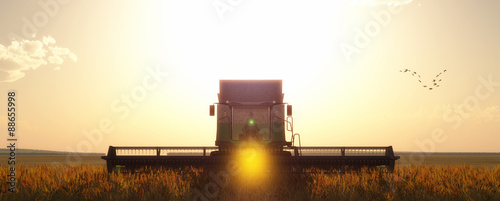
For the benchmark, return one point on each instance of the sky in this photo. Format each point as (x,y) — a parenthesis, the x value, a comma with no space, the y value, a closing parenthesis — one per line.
(90,74)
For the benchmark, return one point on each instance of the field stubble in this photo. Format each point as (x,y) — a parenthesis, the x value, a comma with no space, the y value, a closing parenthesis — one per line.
(87,182)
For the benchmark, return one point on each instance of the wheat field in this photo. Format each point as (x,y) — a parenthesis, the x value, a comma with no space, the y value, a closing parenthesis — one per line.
(87,182)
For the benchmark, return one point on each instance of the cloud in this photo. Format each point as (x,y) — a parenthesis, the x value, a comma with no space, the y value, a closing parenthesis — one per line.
(34,48)
(48,40)
(10,76)
(56,60)
(73,57)
(25,55)
(10,64)
(378,2)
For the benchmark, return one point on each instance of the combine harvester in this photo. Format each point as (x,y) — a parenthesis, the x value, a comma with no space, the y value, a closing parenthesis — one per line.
(251,116)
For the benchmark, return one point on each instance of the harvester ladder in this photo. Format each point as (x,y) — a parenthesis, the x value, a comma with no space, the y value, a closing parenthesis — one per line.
(289,127)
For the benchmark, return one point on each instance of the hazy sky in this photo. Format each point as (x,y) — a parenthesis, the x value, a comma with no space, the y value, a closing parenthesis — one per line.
(90,74)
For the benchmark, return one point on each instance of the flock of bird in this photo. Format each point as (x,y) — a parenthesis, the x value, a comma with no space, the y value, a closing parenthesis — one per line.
(435,81)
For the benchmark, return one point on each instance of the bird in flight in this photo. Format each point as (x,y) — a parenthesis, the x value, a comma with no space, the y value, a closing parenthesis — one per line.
(434,81)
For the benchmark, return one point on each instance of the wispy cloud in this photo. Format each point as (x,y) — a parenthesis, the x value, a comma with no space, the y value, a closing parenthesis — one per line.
(25,55)
(378,2)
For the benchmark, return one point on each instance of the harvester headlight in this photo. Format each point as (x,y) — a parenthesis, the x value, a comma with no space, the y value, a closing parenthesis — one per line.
(252,162)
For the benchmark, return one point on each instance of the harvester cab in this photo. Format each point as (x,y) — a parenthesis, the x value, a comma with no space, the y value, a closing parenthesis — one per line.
(250,111)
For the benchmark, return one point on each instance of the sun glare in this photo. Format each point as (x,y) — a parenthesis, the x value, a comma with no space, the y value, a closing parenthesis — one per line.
(253,162)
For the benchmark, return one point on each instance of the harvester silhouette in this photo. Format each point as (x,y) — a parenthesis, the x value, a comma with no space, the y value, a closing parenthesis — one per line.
(251,113)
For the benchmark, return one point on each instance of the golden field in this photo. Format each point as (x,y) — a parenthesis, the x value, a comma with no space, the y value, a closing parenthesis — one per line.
(91,182)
